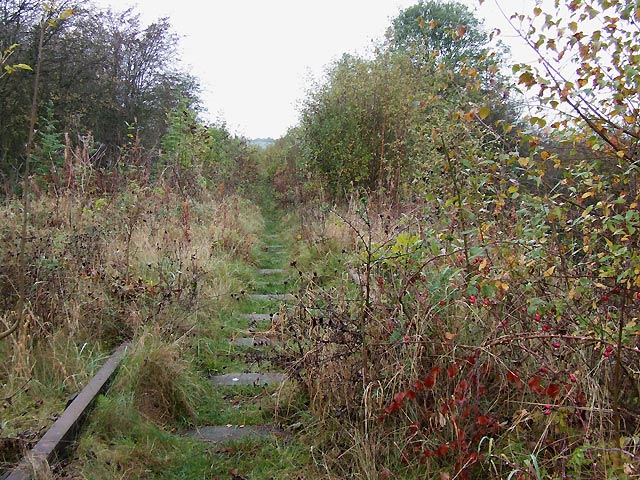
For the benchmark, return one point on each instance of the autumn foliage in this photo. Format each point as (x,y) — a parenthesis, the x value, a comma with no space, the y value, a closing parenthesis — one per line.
(492,331)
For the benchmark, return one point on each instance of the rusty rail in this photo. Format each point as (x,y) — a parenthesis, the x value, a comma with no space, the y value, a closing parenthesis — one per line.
(61,434)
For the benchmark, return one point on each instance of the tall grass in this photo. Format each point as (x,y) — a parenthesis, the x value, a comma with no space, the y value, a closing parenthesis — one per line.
(144,262)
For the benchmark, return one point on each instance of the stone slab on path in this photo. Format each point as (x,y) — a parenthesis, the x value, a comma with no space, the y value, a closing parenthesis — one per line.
(220,434)
(252,342)
(260,317)
(276,249)
(255,379)
(271,271)
(271,296)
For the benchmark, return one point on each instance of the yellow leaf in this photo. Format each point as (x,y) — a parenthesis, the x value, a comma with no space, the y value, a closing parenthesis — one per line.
(484,112)
(527,79)
(67,13)
(629,119)
(548,272)
(588,194)
(620,153)
(433,24)
(544,155)
(537,11)
(523,161)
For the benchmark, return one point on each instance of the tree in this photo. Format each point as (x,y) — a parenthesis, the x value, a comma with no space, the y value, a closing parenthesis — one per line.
(447,32)
(369,125)
(126,75)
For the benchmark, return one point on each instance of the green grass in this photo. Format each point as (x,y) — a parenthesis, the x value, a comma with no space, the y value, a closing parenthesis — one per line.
(241,405)
(281,459)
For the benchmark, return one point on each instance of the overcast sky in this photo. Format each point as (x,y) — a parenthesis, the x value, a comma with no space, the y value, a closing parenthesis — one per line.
(255,58)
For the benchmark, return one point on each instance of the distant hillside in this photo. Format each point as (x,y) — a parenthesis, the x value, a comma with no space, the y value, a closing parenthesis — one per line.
(262,142)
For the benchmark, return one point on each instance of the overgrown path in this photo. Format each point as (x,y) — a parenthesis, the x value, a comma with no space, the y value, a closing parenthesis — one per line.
(212,402)
(252,421)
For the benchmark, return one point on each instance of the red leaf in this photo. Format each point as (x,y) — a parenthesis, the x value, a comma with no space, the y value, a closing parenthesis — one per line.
(553,390)
(435,371)
(463,385)
(460,390)
(534,384)
(418,385)
(512,377)
(394,407)
(472,458)
(411,395)
(483,420)
(429,381)
(452,370)
(442,450)
(399,397)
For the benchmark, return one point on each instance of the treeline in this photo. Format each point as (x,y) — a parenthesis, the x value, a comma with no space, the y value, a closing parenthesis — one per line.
(109,86)
(372,122)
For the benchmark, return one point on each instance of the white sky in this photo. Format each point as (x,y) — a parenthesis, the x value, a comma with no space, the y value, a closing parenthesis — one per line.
(256,58)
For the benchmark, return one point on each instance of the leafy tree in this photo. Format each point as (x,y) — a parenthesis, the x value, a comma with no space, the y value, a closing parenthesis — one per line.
(48,156)
(208,155)
(369,124)
(447,32)
(126,75)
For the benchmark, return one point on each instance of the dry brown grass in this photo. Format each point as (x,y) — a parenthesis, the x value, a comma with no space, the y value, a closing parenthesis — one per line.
(109,267)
